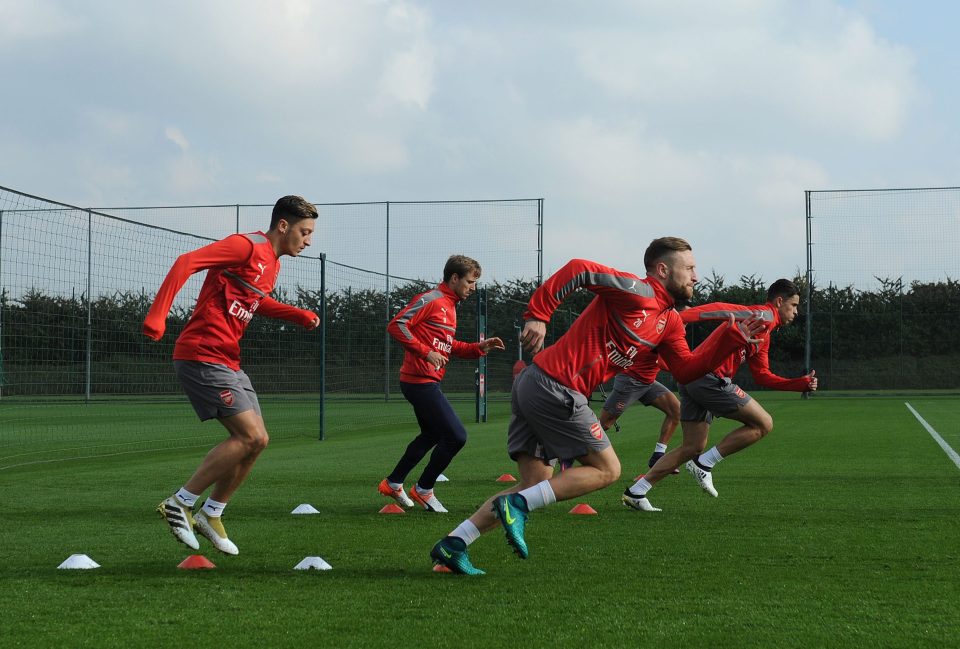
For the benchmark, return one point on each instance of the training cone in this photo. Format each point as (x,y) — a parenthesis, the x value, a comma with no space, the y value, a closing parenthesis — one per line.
(506,477)
(313,563)
(78,562)
(442,478)
(196,562)
(305,509)
(441,568)
(583,508)
(391,509)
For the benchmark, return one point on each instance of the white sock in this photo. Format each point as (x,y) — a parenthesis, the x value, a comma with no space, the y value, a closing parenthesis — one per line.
(188,499)
(212,508)
(640,487)
(395,485)
(466,531)
(422,491)
(660,448)
(710,458)
(539,495)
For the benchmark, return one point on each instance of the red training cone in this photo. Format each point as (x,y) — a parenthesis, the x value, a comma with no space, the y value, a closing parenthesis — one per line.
(391,509)
(441,568)
(506,477)
(196,562)
(583,508)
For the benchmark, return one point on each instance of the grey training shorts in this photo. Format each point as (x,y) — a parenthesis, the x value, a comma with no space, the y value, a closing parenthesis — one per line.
(551,420)
(216,390)
(627,391)
(710,396)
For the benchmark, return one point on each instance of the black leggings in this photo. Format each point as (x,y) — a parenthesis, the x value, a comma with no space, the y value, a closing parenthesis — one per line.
(440,429)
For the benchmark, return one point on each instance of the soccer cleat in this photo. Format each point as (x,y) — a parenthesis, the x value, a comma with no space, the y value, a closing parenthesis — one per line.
(397,494)
(452,553)
(512,511)
(656,456)
(212,528)
(640,503)
(428,502)
(180,521)
(704,478)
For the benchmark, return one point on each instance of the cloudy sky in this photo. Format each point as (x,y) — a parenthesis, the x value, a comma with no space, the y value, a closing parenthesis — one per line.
(631,118)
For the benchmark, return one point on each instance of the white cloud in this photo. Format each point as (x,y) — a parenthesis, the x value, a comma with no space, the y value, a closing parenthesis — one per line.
(815,65)
(176,136)
(408,76)
(33,19)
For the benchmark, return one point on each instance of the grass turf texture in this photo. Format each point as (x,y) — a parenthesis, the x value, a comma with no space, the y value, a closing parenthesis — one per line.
(839,529)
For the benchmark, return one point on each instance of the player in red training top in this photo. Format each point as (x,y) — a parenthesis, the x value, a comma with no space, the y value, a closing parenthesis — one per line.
(242,270)
(426,328)
(717,394)
(629,322)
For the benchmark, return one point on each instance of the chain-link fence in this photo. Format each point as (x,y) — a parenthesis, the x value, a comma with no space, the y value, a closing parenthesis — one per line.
(884,288)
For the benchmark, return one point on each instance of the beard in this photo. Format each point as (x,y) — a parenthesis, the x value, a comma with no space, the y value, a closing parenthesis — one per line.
(680,292)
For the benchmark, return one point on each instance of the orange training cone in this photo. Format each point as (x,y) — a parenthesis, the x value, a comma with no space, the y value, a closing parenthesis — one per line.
(441,568)
(583,508)
(506,477)
(391,509)
(196,562)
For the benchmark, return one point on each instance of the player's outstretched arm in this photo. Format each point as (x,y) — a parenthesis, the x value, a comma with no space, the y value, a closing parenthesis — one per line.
(227,252)
(274,309)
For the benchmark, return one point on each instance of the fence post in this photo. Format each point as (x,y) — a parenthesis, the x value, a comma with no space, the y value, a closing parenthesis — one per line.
(809,297)
(539,242)
(2,294)
(482,361)
(237,228)
(323,346)
(386,335)
(89,302)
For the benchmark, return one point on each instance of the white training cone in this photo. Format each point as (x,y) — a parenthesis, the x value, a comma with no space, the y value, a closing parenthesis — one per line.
(313,563)
(78,562)
(442,478)
(305,509)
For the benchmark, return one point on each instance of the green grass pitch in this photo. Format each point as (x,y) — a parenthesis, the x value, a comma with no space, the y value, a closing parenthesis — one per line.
(838,530)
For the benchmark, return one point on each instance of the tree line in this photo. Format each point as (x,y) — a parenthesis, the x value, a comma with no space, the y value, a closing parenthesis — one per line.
(897,336)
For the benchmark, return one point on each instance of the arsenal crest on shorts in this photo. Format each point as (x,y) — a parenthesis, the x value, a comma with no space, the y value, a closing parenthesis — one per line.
(596,430)
(227,397)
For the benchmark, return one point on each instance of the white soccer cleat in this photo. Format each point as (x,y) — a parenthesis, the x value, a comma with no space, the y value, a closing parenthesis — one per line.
(704,478)
(640,503)
(212,528)
(179,520)
(428,502)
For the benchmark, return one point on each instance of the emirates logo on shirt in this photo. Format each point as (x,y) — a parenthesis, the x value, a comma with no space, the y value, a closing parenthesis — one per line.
(227,397)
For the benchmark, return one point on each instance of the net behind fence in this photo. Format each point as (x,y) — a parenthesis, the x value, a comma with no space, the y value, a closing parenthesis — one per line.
(885,290)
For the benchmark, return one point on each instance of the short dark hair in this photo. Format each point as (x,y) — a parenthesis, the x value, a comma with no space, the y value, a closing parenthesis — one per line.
(782,288)
(459,265)
(292,209)
(660,248)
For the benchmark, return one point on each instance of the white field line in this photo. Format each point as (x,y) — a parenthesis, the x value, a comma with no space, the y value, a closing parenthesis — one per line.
(952,454)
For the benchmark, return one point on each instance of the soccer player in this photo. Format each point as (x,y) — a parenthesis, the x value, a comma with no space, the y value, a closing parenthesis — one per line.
(715,394)
(426,328)
(629,387)
(629,322)
(241,271)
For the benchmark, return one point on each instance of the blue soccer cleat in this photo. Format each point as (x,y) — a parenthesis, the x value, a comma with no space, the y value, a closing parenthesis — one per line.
(512,511)
(452,553)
